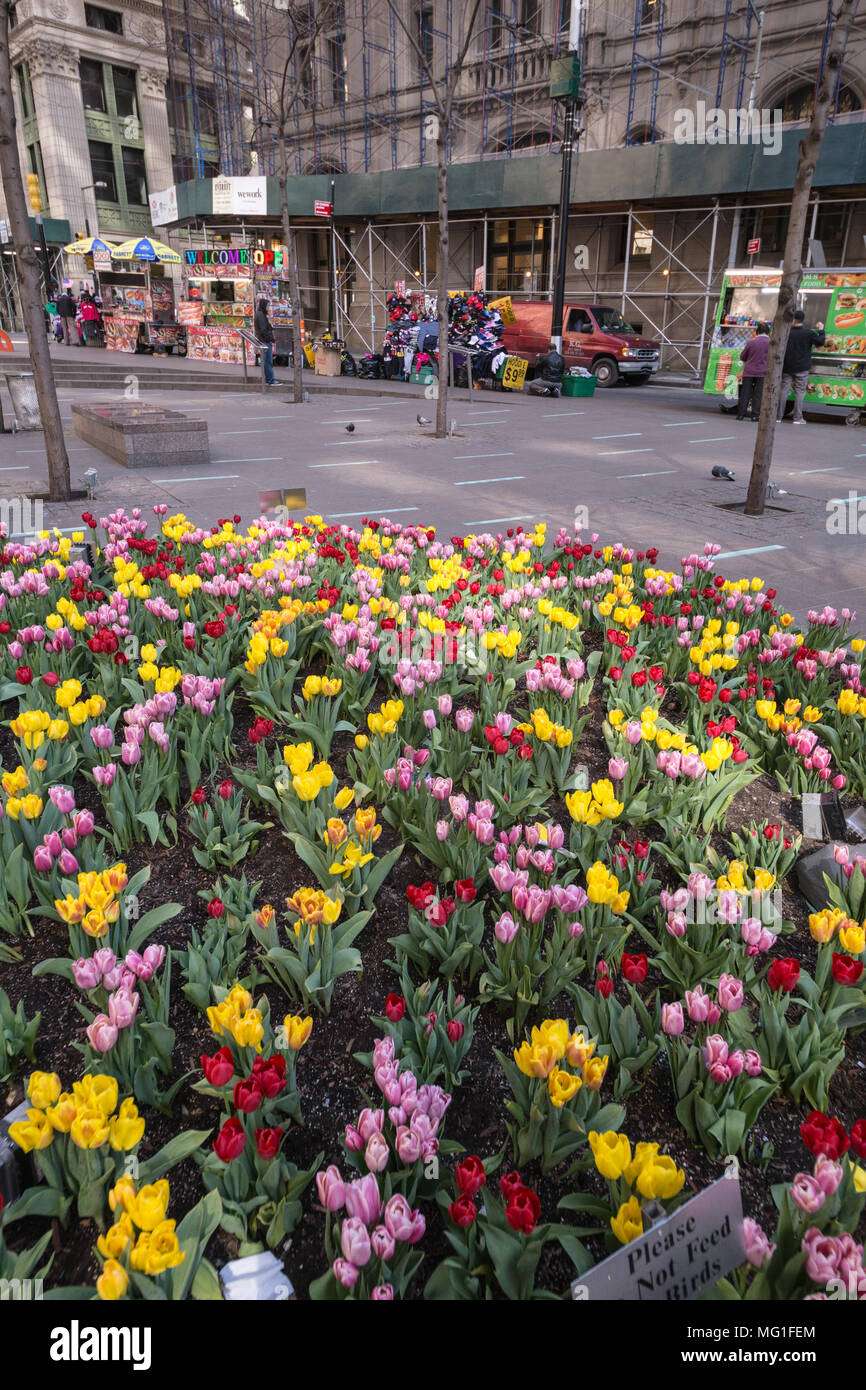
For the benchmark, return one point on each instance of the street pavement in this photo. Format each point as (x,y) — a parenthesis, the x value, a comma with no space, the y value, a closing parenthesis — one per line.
(633,464)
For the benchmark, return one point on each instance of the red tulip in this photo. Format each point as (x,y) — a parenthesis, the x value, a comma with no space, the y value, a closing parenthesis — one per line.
(24,675)
(604,986)
(783,974)
(216,907)
(395,1007)
(823,1135)
(470,1175)
(523,1210)
(230,1141)
(462,1212)
(218,1069)
(268,1141)
(858,1138)
(270,1073)
(199,795)
(247,1095)
(454,1029)
(465,890)
(225,789)
(846,970)
(509,1183)
(634,968)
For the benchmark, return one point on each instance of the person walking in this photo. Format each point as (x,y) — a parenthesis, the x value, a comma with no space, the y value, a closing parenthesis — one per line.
(549,371)
(798,363)
(89,316)
(67,309)
(753,361)
(265,335)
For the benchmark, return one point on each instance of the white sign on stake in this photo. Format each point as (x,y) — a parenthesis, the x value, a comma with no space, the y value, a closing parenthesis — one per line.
(679,1258)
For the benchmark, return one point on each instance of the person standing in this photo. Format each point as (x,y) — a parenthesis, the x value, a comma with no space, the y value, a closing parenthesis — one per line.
(265,335)
(67,309)
(753,361)
(798,363)
(89,315)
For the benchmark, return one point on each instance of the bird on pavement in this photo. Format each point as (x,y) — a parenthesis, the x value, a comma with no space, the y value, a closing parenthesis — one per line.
(721,472)
(350,429)
(422,420)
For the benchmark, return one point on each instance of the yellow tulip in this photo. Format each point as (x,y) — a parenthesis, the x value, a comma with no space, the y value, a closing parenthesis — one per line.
(852,938)
(122,1193)
(149,1205)
(611,1151)
(627,1225)
(44,1088)
(33,1133)
(306,785)
(61,1115)
(561,1086)
(537,1061)
(345,796)
(163,1249)
(858,1173)
(112,1282)
(89,1129)
(578,1050)
(298,756)
(98,1092)
(660,1177)
(297,1030)
(249,1029)
(126,1128)
(324,774)
(553,1033)
(116,1238)
(643,1153)
(594,1069)
(335,831)
(822,925)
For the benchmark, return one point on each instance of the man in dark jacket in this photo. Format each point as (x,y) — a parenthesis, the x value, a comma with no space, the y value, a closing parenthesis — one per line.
(753,361)
(548,374)
(66,308)
(798,363)
(265,334)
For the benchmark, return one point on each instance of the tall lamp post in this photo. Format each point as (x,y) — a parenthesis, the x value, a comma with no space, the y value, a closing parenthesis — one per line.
(84,188)
(565,87)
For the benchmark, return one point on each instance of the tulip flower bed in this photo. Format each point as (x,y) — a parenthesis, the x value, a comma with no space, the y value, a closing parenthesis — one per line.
(419,909)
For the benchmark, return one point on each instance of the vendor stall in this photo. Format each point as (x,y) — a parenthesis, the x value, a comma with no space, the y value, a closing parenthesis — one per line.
(138,306)
(220,290)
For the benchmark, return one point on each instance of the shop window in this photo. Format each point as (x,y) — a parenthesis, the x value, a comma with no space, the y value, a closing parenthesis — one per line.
(93,85)
(95,17)
(134,176)
(519,256)
(102,169)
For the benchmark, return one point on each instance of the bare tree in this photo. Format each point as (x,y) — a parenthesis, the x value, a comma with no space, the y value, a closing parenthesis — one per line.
(443,92)
(792,266)
(28,275)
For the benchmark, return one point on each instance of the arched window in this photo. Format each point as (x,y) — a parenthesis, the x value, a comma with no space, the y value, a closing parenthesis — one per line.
(642,134)
(797,101)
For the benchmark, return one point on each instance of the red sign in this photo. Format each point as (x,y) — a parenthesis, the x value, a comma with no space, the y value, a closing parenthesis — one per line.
(480,276)
(753,246)
(322,209)
(6,344)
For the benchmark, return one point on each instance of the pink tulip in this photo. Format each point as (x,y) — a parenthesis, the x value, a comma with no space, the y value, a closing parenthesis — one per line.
(86,973)
(102,736)
(68,863)
(69,837)
(441,788)
(63,799)
(122,1007)
(459,806)
(730,993)
(444,704)
(676,925)
(807,1193)
(715,1049)
(345,1273)
(53,843)
(362,1199)
(443,830)
(377,1153)
(130,754)
(104,776)
(83,823)
(673,1022)
(331,1188)
(505,929)
(102,1033)
(383,1293)
(736,1062)
(105,959)
(382,1243)
(429,718)
(408,1144)
(633,732)
(698,1005)
(43,860)
(828,1174)
(352,1139)
(464,719)
(823,1254)
(758,1247)
(753,1062)
(617,768)
(402,1222)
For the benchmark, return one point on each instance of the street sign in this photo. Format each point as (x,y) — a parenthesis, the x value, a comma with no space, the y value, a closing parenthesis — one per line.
(753,246)
(321,209)
(680,1257)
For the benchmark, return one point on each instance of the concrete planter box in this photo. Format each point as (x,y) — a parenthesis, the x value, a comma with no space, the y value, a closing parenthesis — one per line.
(142,436)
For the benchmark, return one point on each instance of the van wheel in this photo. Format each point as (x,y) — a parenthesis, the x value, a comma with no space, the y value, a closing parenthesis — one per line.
(605,371)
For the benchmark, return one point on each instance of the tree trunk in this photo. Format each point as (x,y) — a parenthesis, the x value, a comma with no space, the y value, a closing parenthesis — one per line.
(294,287)
(29,279)
(792,266)
(442,277)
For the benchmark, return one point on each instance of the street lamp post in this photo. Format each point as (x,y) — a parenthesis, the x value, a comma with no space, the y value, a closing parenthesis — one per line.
(565,87)
(85,187)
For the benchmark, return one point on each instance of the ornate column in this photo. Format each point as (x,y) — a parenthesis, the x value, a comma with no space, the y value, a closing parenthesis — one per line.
(62,134)
(154,127)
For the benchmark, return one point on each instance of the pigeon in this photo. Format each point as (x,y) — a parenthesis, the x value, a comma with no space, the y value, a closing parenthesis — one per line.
(773,490)
(350,429)
(721,472)
(422,420)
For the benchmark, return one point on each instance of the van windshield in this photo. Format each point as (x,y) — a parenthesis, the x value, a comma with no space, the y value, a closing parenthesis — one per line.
(611,320)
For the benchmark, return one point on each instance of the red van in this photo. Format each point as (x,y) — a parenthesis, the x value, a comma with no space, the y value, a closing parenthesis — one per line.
(594,336)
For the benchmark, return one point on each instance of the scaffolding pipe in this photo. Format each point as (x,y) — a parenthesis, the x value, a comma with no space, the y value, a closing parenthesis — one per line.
(753,90)
(627,259)
(708,289)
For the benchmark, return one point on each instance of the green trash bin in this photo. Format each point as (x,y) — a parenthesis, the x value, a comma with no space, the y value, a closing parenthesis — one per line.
(578,385)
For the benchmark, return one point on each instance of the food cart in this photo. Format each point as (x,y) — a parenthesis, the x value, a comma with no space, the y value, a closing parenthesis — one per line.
(836,298)
(221,288)
(138,306)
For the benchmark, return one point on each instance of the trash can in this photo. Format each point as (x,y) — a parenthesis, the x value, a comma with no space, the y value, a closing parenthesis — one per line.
(329,359)
(22,388)
(578,385)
